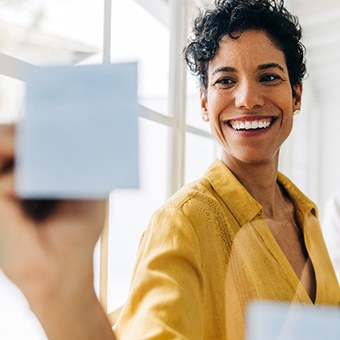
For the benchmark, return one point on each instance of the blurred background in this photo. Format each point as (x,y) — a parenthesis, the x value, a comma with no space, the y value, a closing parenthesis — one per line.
(175,145)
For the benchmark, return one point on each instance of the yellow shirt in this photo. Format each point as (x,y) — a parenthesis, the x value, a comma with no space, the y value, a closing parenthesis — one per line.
(207,253)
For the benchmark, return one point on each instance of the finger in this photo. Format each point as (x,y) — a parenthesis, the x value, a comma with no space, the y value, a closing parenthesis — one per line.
(7,185)
(87,217)
(7,144)
(13,223)
(88,212)
(7,134)
(39,209)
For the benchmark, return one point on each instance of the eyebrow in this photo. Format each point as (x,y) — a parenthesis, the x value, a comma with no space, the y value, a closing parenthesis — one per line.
(224,69)
(260,67)
(270,65)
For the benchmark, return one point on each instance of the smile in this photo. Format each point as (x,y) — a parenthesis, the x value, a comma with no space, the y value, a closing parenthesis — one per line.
(263,123)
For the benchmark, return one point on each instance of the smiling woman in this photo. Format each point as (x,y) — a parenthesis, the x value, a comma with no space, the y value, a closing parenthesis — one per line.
(242,232)
(248,85)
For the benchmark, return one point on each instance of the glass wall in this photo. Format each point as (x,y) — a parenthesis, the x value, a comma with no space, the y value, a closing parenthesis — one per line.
(81,32)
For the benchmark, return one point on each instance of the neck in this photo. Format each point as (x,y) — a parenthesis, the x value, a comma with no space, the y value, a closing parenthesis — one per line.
(260,180)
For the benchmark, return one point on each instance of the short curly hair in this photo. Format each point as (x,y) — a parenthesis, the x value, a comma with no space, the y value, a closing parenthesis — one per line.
(229,17)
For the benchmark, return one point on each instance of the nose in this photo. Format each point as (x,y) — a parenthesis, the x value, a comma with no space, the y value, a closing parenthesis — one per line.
(248,96)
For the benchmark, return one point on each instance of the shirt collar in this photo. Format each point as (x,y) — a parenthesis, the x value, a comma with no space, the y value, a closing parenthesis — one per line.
(239,201)
(301,202)
(234,195)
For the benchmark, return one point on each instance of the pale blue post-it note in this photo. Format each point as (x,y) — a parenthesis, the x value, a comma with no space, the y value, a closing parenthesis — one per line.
(283,321)
(79,136)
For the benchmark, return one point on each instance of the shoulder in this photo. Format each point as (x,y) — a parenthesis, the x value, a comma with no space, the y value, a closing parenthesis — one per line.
(190,194)
(191,201)
(195,214)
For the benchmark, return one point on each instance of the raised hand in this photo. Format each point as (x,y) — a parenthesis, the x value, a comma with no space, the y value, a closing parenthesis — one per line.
(51,259)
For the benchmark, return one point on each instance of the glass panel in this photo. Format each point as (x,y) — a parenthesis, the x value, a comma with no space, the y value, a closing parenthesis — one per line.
(40,32)
(137,35)
(200,153)
(132,209)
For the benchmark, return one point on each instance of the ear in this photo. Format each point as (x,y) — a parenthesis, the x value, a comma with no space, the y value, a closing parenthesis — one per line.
(204,101)
(297,97)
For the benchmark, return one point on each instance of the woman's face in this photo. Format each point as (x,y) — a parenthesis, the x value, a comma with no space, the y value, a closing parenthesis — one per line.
(249,98)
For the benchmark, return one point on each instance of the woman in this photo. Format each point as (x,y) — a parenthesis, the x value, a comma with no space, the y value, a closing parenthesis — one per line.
(241,232)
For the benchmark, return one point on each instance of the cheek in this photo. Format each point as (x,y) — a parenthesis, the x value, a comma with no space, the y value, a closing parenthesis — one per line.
(217,103)
(287,122)
(286,104)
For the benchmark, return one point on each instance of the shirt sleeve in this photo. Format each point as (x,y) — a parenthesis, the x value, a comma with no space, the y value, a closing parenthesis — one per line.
(167,290)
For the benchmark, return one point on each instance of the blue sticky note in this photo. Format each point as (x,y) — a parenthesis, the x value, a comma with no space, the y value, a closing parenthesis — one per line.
(269,320)
(79,135)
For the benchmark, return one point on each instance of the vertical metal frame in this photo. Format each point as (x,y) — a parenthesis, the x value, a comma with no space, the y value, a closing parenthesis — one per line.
(177,93)
(104,239)
(107,31)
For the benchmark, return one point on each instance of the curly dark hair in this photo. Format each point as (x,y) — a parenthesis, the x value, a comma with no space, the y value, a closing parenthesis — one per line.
(231,17)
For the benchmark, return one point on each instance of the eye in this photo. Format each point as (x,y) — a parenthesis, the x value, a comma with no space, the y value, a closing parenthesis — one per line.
(226,81)
(270,78)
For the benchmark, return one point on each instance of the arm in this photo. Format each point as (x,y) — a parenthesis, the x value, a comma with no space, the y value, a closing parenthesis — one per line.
(167,292)
(51,261)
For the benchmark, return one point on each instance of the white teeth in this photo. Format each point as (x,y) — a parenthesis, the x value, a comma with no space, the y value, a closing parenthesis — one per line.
(253,125)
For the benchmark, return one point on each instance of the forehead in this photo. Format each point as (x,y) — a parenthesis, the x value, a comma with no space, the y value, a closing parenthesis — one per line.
(252,48)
